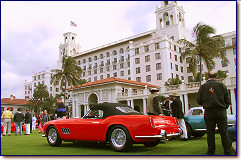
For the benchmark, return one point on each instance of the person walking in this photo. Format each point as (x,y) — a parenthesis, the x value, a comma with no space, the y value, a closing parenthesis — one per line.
(7,117)
(34,119)
(18,119)
(61,109)
(214,98)
(28,120)
(176,107)
(153,104)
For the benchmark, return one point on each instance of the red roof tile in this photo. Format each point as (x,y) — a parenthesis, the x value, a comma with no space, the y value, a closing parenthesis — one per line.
(14,101)
(113,79)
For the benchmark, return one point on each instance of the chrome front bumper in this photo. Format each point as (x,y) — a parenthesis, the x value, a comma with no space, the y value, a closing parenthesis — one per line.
(162,135)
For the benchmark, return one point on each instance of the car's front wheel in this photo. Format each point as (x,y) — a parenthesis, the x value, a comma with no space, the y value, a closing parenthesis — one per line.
(53,137)
(120,139)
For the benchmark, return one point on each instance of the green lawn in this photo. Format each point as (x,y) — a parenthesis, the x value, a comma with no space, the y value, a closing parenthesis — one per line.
(35,144)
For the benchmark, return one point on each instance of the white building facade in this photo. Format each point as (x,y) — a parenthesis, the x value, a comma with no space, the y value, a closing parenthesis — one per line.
(151,57)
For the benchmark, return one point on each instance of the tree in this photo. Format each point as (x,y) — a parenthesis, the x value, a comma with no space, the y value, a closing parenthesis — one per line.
(33,104)
(206,46)
(49,104)
(173,81)
(69,75)
(220,75)
(40,93)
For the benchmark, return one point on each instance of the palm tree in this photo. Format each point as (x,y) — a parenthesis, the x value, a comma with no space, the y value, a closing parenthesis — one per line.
(40,94)
(206,46)
(69,75)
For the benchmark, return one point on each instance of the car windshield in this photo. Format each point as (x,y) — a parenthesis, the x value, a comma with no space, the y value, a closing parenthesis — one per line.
(94,114)
(126,109)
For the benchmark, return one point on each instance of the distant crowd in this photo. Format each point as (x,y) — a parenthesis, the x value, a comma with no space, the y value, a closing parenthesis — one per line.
(19,122)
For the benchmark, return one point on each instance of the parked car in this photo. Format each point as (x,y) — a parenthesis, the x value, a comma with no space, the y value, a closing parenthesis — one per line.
(114,123)
(12,127)
(195,122)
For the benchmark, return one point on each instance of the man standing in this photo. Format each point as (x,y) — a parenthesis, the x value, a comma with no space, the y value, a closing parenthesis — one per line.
(153,104)
(61,110)
(166,107)
(18,119)
(214,98)
(177,112)
(7,116)
(45,117)
(28,120)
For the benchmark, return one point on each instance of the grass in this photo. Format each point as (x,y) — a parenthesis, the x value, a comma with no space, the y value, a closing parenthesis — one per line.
(35,144)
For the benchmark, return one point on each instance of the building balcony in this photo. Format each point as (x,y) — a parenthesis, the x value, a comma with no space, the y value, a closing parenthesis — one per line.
(191,87)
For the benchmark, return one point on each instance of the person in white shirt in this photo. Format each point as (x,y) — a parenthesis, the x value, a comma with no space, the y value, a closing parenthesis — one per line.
(34,119)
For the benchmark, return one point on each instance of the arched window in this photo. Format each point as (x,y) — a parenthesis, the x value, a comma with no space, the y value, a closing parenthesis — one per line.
(108,54)
(114,53)
(166,19)
(89,59)
(127,48)
(121,50)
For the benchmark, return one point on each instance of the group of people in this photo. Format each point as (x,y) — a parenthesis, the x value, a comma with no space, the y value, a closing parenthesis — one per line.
(214,98)
(18,118)
(169,108)
(30,120)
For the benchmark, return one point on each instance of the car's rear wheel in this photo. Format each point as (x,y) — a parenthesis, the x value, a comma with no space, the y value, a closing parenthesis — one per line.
(120,139)
(53,137)
(152,144)
(189,131)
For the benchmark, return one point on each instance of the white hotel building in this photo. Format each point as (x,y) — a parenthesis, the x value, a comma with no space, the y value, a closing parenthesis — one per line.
(125,70)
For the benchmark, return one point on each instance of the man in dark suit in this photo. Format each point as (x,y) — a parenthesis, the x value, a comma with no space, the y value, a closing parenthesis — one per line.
(166,107)
(28,120)
(214,98)
(177,112)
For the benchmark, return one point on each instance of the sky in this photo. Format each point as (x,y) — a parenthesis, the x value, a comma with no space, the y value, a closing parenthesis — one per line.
(31,32)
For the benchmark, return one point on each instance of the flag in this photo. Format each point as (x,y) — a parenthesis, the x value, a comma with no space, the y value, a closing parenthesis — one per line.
(73,24)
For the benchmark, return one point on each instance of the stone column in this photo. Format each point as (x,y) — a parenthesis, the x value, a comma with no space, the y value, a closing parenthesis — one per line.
(73,106)
(128,102)
(77,107)
(144,105)
(181,98)
(233,102)
(85,106)
(132,103)
(186,108)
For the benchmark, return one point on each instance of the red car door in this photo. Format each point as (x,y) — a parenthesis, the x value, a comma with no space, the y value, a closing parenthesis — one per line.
(91,130)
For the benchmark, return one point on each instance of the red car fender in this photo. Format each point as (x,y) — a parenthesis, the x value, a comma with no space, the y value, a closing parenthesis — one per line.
(137,125)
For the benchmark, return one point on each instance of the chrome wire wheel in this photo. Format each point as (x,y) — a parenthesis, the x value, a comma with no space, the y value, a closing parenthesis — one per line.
(52,135)
(118,138)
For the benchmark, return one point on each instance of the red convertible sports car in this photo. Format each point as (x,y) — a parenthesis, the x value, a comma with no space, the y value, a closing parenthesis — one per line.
(114,123)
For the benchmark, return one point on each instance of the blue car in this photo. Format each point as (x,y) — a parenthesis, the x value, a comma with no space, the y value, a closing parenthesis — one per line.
(195,122)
